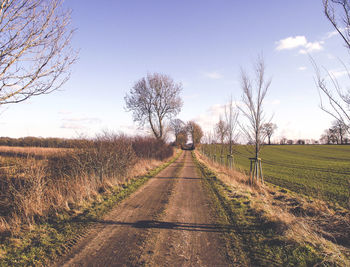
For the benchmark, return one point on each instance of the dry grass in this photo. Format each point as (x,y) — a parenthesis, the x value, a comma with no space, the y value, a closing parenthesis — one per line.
(304,220)
(31,151)
(36,183)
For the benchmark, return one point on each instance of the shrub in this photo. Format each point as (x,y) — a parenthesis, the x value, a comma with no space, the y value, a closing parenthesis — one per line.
(147,147)
(36,187)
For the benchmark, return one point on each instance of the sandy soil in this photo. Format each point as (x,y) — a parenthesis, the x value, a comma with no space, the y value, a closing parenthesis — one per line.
(167,222)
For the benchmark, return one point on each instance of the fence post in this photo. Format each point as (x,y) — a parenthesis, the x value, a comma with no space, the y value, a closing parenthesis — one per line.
(230,161)
(256,170)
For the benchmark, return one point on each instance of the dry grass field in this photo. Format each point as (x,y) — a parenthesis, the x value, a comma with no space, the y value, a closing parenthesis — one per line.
(36,182)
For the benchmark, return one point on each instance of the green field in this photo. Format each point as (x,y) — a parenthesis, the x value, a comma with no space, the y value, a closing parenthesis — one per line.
(321,171)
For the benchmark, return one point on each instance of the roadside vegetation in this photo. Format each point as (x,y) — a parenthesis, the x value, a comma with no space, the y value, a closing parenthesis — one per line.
(42,196)
(274,227)
(319,171)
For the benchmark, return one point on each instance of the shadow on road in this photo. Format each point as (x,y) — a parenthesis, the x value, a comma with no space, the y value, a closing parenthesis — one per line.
(185,178)
(193,227)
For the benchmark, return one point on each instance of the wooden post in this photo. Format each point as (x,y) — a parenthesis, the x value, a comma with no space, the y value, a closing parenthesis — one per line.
(256,170)
(230,161)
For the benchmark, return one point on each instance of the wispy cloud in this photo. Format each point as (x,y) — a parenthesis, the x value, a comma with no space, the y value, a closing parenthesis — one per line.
(215,75)
(87,120)
(78,123)
(302,68)
(311,47)
(299,42)
(331,34)
(73,126)
(210,117)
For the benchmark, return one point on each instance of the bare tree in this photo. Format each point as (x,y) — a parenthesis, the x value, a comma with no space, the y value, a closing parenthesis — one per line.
(35,52)
(269,129)
(196,133)
(208,137)
(182,137)
(325,137)
(340,130)
(254,92)
(334,99)
(221,132)
(177,127)
(231,118)
(283,141)
(154,99)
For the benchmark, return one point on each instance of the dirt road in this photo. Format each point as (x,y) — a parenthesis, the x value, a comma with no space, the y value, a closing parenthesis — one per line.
(167,222)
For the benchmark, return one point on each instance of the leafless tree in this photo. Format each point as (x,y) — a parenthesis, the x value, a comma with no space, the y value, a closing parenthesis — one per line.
(254,92)
(326,137)
(334,99)
(154,99)
(208,137)
(231,118)
(177,127)
(283,141)
(269,128)
(340,130)
(35,51)
(337,134)
(182,137)
(221,132)
(196,133)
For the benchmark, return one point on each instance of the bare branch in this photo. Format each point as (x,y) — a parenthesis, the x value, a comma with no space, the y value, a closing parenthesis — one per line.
(35,52)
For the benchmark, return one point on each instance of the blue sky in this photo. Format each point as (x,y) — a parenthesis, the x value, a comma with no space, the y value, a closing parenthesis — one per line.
(202,44)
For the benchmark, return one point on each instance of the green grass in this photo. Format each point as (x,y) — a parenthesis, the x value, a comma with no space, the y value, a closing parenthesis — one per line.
(53,236)
(253,240)
(321,171)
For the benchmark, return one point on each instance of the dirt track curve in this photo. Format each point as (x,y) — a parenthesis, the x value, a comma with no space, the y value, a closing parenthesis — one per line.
(167,222)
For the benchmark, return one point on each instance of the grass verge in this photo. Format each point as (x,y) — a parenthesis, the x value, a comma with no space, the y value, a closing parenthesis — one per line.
(254,240)
(45,241)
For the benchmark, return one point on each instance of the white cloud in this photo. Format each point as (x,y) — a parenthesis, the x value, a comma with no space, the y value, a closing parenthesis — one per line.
(214,75)
(311,47)
(211,116)
(301,42)
(331,34)
(302,68)
(291,43)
